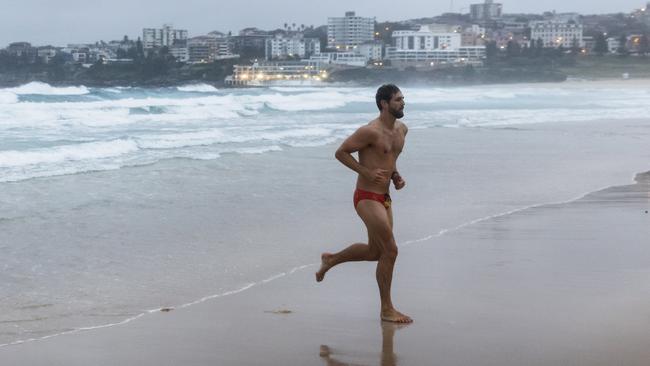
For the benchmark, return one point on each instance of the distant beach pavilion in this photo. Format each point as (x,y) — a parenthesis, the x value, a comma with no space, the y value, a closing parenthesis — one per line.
(304,72)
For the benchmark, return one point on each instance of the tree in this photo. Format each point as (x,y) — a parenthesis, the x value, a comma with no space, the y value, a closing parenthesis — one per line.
(320,33)
(575,46)
(644,46)
(513,49)
(139,49)
(539,47)
(600,46)
(622,45)
(491,50)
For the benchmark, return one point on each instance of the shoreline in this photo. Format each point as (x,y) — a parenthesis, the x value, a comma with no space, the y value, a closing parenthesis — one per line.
(639,178)
(180,335)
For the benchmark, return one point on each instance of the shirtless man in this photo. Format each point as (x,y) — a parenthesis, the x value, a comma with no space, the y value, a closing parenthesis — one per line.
(379,143)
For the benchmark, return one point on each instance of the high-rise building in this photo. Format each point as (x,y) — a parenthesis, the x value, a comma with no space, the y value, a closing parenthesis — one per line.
(486,11)
(346,32)
(162,37)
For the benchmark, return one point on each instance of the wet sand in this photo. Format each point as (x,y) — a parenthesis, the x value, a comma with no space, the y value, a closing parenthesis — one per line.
(559,284)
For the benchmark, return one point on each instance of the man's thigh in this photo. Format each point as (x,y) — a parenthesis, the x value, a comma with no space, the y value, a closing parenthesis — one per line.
(377,221)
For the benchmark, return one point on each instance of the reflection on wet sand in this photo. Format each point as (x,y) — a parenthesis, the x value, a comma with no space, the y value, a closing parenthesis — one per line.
(388,356)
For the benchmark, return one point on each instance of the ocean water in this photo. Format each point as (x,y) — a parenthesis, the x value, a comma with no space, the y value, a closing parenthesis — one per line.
(48,131)
(116,202)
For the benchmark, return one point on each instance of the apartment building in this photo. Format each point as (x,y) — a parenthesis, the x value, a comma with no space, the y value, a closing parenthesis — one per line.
(208,48)
(343,33)
(282,47)
(162,37)
(556,32)
(431,47)
(486,11)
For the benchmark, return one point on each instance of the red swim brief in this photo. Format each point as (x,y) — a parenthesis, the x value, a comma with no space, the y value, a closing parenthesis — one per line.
(383,198)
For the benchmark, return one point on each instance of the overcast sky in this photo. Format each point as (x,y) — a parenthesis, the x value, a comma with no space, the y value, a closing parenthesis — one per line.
(58,22)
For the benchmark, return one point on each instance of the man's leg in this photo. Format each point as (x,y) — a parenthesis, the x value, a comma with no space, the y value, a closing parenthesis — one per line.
(381,247)
(354,253)
(379,222)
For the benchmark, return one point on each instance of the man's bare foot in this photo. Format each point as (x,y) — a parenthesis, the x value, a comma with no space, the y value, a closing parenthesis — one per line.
(395,316)
(325,259)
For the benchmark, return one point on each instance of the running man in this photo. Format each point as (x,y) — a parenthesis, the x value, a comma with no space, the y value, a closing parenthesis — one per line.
(379,143)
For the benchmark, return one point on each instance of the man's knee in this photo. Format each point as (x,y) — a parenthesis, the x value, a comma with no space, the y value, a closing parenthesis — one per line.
(391,252)
(389,249)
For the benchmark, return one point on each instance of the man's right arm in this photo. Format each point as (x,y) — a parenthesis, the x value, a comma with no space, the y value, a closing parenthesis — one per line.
(360,139)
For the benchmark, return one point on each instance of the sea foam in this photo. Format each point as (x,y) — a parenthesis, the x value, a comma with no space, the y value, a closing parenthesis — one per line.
(8,97)
(36,87)
(199,88)
(58,154)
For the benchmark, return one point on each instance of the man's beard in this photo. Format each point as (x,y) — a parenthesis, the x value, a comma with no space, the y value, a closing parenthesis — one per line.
(397,113)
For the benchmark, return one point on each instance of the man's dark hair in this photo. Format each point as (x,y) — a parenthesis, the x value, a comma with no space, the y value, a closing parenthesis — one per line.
(385,92)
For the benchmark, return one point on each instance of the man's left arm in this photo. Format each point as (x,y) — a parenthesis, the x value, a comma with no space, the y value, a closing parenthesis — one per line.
(397,179)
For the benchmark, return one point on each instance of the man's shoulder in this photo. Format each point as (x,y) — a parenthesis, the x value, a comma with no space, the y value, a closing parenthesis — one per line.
(371,128)
(402,127)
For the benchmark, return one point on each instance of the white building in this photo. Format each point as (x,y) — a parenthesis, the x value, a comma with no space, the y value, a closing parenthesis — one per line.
(426,38)
(81,56)
(346,32)
(181,54)
(557,32)
(282,47)
(486,11)
(46,54)
(209,48)
(372,51)
(429,47)
(161,37)
(613,44)
(340,58)
(473,36)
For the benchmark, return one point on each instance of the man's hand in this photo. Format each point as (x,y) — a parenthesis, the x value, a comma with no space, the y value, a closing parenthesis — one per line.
(379,176)
(398,181)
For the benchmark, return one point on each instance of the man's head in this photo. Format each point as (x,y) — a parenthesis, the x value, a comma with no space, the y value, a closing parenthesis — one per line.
(390,98)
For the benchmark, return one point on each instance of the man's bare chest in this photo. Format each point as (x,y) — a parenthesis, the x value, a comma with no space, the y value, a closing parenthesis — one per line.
(388,144)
